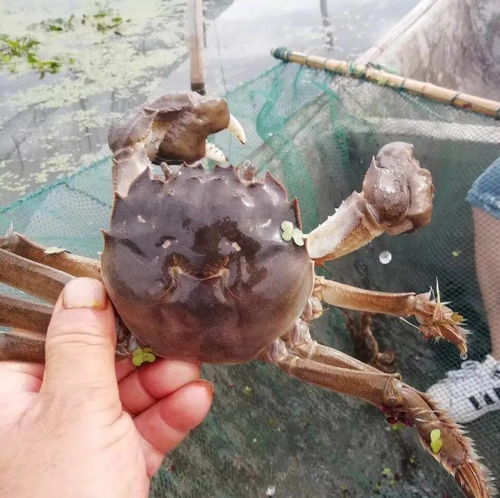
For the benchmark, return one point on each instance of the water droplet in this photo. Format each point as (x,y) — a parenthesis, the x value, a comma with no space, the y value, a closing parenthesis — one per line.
(385,257)
(463,356)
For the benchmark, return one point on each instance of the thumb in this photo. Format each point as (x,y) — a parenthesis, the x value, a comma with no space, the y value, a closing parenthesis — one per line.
(80,345)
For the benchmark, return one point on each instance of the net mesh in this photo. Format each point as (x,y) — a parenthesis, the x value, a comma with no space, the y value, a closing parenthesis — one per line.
(269,434)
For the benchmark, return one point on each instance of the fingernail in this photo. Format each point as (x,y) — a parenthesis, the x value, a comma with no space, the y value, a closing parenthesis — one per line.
(207,385)
(85,293)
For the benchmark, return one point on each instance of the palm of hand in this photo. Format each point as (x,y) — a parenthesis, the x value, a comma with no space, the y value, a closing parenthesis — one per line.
(101,440)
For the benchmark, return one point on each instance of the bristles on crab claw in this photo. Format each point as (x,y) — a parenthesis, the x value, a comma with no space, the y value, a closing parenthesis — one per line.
(10,230)
(437,321)
(444,440)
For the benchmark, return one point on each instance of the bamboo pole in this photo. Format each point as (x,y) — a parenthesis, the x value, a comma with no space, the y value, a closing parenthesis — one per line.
(374,74)
(196,45)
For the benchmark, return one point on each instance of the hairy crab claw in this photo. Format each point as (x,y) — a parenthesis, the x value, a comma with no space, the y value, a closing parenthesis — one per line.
(396,198)
(170,129)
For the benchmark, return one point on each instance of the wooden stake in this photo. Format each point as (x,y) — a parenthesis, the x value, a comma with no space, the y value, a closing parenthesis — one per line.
(196,45)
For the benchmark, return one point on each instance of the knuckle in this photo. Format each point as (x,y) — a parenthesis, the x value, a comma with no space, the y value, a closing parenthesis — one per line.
(90,328)
(84,333)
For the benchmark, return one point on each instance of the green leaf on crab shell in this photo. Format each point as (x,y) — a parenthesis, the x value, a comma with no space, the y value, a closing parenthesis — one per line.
(287,231)
(298,237)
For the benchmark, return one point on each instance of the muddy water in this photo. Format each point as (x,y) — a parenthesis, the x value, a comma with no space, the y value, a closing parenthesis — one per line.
(53,125)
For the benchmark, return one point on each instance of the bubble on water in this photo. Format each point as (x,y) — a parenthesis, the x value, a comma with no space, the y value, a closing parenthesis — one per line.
(463,356)
(385,257)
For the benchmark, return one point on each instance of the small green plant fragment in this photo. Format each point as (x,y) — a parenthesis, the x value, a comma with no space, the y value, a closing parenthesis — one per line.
(287,231)
(15,50)
(436,441)
(273,422)
(397,426)
(59,24)
(298,237)
(54,250)
(457,317)
(247,390)
(387,472)
(104,21)
(44,66)
(143,355)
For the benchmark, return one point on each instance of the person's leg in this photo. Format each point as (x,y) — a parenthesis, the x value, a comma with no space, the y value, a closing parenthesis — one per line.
(486,242)
(474,389)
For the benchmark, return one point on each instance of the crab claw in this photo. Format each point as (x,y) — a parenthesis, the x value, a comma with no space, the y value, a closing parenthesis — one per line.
(438,321)
(215,154)
(398,189)
(396,198)
(172,128)
(443,439)
(236,129)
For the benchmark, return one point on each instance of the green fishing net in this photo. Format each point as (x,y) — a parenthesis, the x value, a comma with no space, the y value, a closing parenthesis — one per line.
(271,435)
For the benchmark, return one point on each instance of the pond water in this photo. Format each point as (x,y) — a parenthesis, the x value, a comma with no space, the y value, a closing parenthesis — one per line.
(109,57)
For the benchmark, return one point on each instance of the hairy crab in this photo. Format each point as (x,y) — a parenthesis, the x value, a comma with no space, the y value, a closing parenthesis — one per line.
(212,266)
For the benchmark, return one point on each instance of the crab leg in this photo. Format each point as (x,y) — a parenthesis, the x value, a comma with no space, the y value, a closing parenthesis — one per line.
(22,345)
(26,340)
(28,267)
(38,280)
(435,319)
(365,344)
(28,345)
(17,343)
(300,342)
(399,401)
(396,197)
(22,314)
(29,276)
(78,266)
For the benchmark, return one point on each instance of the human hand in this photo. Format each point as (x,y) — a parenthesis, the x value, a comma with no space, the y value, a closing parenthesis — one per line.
(82,426)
